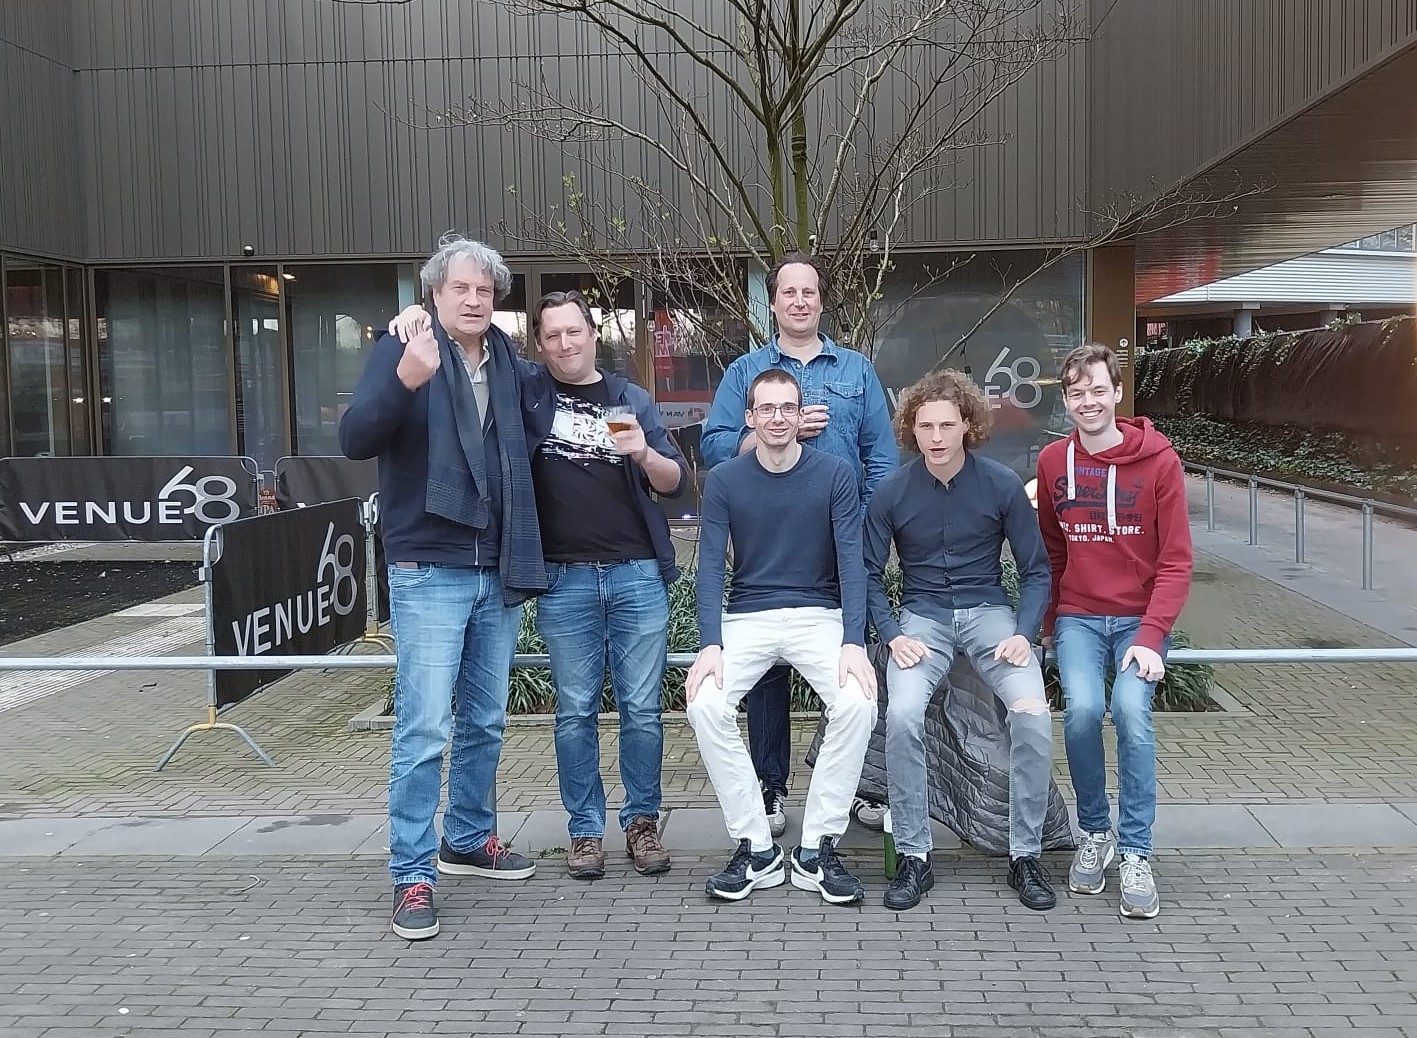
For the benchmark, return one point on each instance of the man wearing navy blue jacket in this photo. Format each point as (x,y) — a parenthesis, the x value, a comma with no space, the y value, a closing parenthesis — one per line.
(443,415)
(798,596)
(948,513)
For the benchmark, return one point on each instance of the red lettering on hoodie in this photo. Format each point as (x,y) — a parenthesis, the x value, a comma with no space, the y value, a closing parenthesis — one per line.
(1116,529)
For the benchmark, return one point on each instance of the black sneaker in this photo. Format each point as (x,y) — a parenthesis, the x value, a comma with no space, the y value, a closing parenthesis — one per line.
(1030,879)
(913,878)
(415,914)
(826,875)
(492,860)
(746,872)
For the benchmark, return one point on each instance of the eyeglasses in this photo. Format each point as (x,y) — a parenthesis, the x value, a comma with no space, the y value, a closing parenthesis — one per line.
(767,410)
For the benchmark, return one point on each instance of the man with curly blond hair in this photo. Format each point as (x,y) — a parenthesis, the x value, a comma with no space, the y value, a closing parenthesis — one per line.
(948,512)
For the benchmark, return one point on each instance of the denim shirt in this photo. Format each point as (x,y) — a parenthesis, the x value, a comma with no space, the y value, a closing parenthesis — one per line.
(859,426)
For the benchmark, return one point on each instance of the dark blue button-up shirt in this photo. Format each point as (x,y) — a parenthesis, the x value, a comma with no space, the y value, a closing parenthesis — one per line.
(950,538)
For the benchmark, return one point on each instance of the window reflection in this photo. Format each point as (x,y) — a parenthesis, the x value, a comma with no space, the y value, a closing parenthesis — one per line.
(163,375)
(694,340)
(40,400)
(334,314)
(1014,354)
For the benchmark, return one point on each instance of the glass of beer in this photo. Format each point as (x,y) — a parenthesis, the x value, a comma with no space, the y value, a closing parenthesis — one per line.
(619,418)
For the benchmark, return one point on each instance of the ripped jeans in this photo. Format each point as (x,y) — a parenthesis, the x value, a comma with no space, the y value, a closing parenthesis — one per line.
(977,633)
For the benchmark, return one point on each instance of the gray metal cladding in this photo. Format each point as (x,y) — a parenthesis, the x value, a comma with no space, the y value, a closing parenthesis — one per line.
(41,173)
(302,127)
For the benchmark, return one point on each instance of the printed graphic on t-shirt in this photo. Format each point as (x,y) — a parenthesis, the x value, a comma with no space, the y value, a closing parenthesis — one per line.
(1083,517)
(578,433)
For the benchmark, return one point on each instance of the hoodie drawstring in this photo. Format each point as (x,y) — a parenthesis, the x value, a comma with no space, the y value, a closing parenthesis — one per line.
(1111,486)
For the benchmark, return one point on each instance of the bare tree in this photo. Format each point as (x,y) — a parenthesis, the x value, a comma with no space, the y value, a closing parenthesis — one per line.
(774,125)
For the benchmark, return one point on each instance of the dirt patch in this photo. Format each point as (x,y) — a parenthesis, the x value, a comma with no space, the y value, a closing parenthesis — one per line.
(36,597)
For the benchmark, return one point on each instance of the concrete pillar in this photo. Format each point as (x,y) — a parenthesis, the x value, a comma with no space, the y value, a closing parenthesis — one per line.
(1112,311)
(1244,324)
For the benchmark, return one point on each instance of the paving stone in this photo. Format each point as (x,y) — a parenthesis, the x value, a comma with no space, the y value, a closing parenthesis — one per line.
(46,836)
(302,834)
(1337,825)
(1209,825)
(152,836)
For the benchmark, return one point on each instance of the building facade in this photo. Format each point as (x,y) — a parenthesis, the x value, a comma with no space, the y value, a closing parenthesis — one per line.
(210,208)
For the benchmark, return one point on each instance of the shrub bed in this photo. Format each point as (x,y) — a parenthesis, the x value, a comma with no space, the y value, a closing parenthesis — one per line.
(1186,687)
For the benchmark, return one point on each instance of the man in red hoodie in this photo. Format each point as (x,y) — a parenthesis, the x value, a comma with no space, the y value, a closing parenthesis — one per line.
(1112,508)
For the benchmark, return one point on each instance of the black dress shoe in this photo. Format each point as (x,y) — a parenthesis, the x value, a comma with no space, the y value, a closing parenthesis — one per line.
(1030,879)
(912,878)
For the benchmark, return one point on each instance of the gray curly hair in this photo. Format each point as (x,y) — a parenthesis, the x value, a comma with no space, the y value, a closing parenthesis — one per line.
(453,246)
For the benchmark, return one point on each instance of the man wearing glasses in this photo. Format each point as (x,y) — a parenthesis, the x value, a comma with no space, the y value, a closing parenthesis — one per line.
(798,595)
(844,413)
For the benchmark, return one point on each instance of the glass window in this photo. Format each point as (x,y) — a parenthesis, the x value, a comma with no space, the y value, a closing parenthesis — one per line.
(76,331)
(163,374)
(510,316)
(261,375)
(334,313)
(930,304)
(694,340)
(38,363)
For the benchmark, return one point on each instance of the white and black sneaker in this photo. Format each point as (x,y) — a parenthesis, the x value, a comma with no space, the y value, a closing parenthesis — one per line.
(869,814)
(746,872)
(826,875)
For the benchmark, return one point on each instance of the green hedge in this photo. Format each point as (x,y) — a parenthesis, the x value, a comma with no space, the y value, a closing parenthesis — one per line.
(1184,688)
(1326,455)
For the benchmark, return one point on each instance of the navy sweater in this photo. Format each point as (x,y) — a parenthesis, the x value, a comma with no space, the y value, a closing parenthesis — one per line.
(796,542)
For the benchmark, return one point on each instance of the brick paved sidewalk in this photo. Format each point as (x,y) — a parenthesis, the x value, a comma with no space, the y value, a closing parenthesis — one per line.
(1252,946)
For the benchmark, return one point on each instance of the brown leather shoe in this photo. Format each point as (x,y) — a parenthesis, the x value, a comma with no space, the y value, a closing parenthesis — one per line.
(642,844)
(587,858)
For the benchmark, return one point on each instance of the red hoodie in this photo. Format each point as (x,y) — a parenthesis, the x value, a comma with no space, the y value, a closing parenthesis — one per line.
(1116,529)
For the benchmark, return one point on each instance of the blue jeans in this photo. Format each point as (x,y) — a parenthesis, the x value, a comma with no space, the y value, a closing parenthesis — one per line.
(593,612)
(770,728)
(1086,646)
(976,633)
(454,636)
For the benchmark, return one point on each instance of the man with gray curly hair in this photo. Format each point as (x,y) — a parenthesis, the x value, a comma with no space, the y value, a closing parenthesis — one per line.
(443,415)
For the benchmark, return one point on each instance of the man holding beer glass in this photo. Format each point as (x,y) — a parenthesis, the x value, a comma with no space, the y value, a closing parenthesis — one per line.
(843,413)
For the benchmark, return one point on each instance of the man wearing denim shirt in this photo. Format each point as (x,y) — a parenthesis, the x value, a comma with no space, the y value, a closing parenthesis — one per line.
(844,413)
(948,513)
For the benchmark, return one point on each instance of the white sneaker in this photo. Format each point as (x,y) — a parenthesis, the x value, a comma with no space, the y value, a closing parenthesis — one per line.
(1139,897)
(1088,874)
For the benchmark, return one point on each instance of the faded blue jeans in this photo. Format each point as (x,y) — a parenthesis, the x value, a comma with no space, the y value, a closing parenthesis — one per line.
(454,636)
(1086,646)
(977,633)
(593,613)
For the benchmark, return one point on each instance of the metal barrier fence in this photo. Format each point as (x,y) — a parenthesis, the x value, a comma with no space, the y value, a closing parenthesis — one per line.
(1367,507)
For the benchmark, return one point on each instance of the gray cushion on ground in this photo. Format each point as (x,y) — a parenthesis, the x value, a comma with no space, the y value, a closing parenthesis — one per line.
(967,757)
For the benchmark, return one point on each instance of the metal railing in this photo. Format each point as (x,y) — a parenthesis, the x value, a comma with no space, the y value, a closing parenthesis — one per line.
(384,661)
(1367,507)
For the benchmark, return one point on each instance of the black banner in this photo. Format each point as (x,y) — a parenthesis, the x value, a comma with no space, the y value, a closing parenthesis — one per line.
(286,583)
(301,482)
(313,481)
(122,499)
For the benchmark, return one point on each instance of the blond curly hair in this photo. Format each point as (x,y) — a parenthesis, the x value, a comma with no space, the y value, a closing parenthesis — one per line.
(955,387)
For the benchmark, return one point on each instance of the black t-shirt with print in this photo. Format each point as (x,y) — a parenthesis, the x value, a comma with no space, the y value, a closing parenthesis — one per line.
(588,511)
